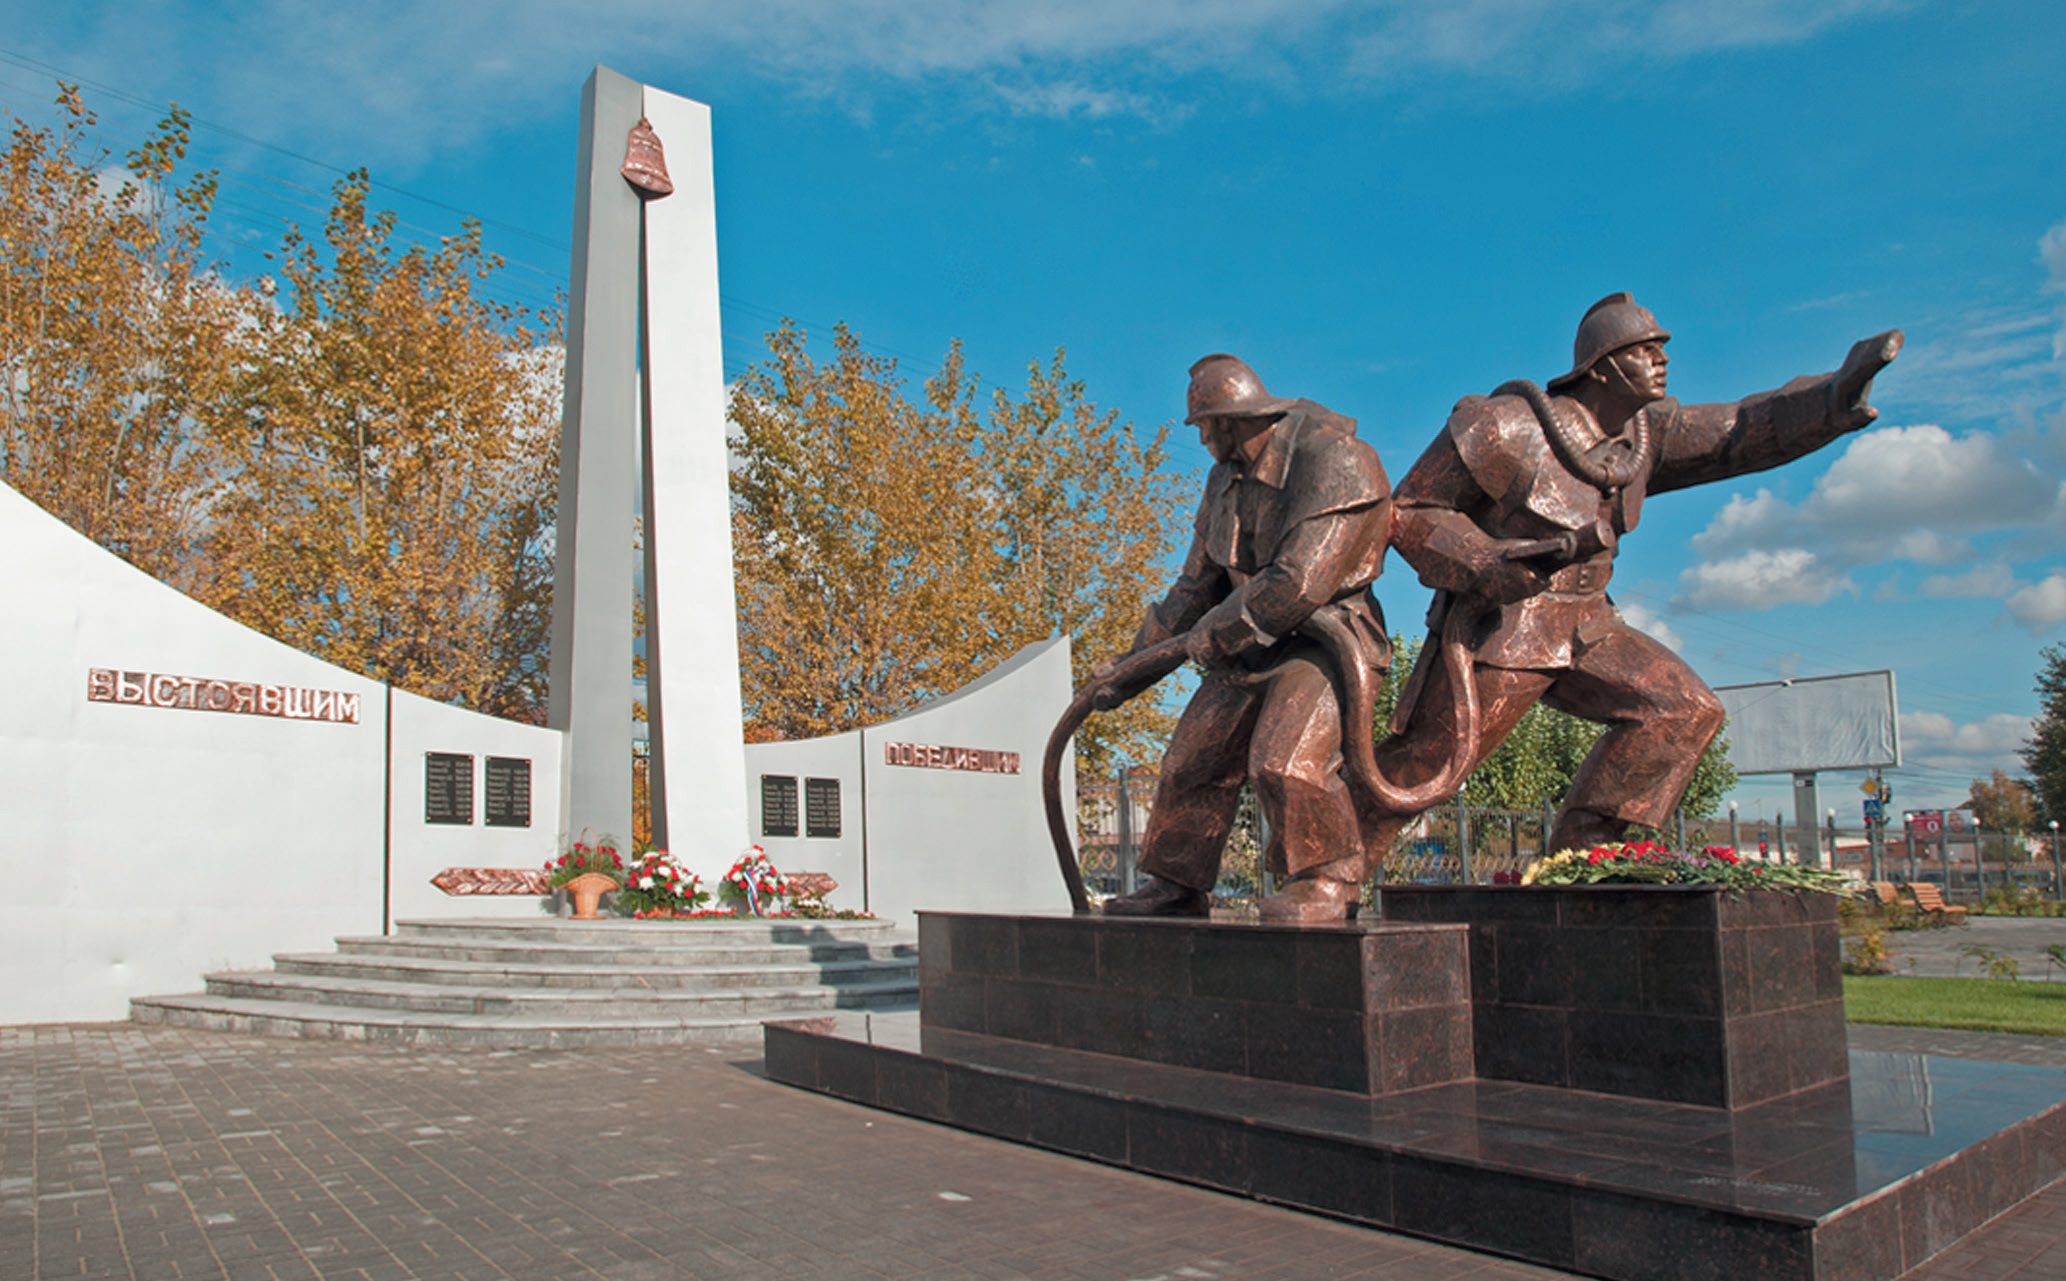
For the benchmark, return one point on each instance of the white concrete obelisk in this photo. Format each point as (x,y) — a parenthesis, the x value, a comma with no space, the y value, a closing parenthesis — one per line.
(643,316)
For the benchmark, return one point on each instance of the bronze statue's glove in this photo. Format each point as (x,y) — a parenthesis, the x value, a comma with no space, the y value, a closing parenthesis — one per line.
(1505,581)
(1854,381)
(1153,631)
(1106,695)
(1226,632)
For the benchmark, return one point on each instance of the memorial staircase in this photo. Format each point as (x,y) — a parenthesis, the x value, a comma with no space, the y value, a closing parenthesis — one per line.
(559,983)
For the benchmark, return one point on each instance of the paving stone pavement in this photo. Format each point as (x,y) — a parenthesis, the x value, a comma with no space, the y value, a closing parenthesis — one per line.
(1941,953)
(168,1154)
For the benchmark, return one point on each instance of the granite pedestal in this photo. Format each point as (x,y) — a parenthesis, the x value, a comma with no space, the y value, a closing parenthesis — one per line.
(1662,992)
(1174,1048)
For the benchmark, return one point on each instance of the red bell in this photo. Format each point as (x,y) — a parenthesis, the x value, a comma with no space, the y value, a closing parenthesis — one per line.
(645,164)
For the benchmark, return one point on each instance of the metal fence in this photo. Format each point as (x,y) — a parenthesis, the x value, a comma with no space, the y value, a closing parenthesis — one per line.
(1459,843)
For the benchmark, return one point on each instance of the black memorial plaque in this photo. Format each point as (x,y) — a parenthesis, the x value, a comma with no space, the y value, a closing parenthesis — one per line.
(506,791)
(448,788)
(777,805)
(821,807)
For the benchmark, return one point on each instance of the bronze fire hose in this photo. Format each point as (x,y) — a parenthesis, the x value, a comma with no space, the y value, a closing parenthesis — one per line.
(1147,666)
(1143,665)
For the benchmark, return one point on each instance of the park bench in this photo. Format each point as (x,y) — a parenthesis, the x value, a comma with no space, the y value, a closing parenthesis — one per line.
(1930,899)
(1886,893)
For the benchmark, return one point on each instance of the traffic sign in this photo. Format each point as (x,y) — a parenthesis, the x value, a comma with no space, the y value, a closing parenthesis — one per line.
(1873,811)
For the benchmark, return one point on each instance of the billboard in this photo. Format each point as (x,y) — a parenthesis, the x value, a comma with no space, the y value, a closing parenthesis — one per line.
(1813,723)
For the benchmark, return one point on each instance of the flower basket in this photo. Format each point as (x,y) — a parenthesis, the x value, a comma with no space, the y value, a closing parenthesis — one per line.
(753,887)
(595,865)
(586,891)
(657,887)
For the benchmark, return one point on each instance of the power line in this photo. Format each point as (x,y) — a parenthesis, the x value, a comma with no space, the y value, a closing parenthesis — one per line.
(542,287)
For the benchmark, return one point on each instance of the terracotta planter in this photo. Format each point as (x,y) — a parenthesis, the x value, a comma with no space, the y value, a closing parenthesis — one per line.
(587,890)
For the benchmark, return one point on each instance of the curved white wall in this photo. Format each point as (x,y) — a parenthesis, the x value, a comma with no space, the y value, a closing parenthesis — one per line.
(145,844)
(917,837)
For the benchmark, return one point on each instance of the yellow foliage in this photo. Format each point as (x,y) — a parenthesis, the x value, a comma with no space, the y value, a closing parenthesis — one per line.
(362,467)
(890,550)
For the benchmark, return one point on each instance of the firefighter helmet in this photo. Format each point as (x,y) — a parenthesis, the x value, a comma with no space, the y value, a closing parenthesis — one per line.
(1610,324)
(1223,385)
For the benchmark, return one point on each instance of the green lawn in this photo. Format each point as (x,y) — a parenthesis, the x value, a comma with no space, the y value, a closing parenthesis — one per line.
(1973,1005)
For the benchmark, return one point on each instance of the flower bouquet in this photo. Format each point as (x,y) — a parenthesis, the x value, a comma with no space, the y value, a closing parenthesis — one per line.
(1649,863)
(583,859)
(657,886)
(753,886)
(587,872)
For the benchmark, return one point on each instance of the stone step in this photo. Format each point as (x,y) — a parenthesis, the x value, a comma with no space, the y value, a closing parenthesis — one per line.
(501,1031)
(496,982)
(695,931)
(621,951)
(576,1004)
(638,972)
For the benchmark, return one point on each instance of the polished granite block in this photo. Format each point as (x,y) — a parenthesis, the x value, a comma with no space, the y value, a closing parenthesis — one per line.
(1371,1009)
(1857,1180)
(1688,994)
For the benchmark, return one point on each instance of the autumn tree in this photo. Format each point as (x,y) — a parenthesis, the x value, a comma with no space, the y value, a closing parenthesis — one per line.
(360,464)
(392,453)
(889,549)
(116,344)
(2003,803)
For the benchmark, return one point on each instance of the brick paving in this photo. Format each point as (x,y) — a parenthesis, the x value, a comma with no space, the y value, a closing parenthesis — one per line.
(1941,953)
(168,1154)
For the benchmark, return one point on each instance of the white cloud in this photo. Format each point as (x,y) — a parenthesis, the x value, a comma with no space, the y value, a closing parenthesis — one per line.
(1647,622)
(2040,606)
(1532,39)
(1910,484)
(2051,250)
(1989,582)
(1981,362)
(1928,547)
(1745,523)
(1974,748)
(1917,494)
(1904,477)
(1760,579)
(1921,494)
(474,68)
(1066,99)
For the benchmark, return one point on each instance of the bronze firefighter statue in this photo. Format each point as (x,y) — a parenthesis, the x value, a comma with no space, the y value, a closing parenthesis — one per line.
(1274,602)
(1513,515)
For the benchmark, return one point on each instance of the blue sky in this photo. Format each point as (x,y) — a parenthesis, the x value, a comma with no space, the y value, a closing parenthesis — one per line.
(1383,206)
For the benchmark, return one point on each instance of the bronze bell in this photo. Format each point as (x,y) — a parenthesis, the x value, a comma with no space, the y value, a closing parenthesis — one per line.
(645,164)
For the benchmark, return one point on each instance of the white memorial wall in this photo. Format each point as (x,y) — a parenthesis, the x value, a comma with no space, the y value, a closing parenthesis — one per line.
(939,809)
(180,793)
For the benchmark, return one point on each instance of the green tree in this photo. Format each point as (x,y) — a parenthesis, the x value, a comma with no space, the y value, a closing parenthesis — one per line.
(2044,752)
(889,549)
